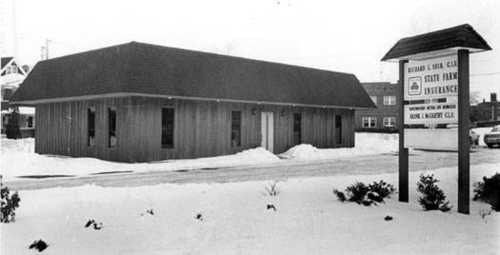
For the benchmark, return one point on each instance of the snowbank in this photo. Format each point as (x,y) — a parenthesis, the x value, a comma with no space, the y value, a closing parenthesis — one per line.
(366,144)
(18,159)
(308,220)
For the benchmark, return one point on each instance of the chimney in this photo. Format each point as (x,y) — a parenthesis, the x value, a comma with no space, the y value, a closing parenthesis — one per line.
(493,97)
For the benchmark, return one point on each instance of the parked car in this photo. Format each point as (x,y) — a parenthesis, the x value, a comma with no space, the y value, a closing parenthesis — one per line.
(473,137)
(492,138)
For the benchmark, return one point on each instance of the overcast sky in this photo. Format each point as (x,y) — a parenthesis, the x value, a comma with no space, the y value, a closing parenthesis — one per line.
(348,36)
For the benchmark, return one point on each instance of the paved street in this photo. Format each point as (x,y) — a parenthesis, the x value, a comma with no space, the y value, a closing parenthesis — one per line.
(374,164)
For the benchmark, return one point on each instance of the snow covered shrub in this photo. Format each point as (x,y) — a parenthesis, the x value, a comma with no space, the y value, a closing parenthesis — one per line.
(272,189)
(340,195)
(365,194)
(8,203)
(489,191)
(12,130)
(433,197)
(357,192)
(38,245)
(382,188)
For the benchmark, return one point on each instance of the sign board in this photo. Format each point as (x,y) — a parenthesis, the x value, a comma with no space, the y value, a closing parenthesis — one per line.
(431,91)
(444,139)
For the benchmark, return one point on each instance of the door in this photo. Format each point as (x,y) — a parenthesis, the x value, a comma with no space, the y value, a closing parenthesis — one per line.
(267,130)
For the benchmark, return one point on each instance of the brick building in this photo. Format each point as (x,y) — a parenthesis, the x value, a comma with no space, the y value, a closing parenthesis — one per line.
(486,111)
(384,117)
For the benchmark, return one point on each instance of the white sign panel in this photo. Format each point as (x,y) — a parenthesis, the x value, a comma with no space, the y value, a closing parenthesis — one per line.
(431,91)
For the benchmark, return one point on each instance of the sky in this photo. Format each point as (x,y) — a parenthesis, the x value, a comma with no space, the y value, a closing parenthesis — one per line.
(347,36)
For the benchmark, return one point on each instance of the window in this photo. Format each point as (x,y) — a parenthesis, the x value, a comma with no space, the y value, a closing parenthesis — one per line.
(374,99)
(167,127)
(91,126)
(112,127)
(338,129)
(235,128)
(389,100)
(369,122)
(29,121)
(389,121)
(297,128)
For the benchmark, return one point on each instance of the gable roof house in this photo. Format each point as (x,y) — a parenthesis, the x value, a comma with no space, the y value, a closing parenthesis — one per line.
(140,102)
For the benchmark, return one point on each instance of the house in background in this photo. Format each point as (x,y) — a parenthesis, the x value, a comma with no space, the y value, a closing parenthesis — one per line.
(384,118)
(140,102)
(486,113)
(11,76)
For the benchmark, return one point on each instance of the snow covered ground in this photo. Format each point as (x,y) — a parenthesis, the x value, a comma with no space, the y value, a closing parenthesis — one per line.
(18,158)
(309,220)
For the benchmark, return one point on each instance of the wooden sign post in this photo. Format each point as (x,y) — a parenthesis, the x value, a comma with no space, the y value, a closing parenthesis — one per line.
(434,80)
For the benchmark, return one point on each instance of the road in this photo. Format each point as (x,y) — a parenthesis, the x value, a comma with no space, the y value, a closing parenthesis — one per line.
(373,164)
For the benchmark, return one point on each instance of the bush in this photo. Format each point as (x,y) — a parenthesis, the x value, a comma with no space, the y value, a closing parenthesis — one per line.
(489,191)
(12,130)
(357,192)
(365,194)
(9,203)
(382,188)
(433,197)
(340,195)
(272,189)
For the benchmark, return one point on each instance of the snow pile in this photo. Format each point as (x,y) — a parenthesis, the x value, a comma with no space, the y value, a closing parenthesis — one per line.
(308,220)
(18,159)
(366,144)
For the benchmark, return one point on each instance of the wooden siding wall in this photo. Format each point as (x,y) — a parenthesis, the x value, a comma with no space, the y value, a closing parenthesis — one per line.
(202,128)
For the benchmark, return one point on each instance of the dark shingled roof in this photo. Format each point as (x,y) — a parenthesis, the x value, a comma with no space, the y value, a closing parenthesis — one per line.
(463,36)
(4,61)
(157,70)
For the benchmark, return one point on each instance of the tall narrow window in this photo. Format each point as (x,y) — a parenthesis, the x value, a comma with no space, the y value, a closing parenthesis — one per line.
(338,129)
(297,128)
(90,126)
(30,121)
(167,127)
(112,139)
(235,128)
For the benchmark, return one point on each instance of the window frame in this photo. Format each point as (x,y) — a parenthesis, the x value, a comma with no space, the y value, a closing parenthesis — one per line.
(389,100)
(297,129)
(91,137)
(236,123)
(369,122)
(112,124)
(386,121)
(165,132)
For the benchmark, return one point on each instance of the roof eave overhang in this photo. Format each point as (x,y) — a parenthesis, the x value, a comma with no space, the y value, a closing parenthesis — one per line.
(431,54)
(130,94)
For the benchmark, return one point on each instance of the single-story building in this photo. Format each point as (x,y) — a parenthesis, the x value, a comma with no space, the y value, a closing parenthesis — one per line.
(139,102)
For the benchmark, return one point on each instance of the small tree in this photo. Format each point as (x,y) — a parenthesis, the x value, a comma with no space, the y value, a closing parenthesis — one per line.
(8,205)
(489,191)
(12,131)
(433,197)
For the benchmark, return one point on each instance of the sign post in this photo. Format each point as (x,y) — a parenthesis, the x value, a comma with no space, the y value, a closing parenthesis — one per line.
(403,152)
(463,131)
(434,80)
